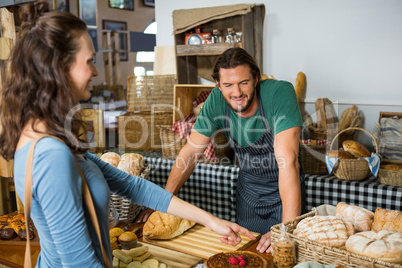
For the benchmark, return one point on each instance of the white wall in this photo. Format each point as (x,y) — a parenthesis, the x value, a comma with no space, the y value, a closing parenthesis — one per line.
(350,51)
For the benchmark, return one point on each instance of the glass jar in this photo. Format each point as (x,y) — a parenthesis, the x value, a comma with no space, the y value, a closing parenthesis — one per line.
(230,36)
(239,37)
(216,36)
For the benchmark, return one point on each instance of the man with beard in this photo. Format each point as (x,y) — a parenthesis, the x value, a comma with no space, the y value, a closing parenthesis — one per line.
(262,121)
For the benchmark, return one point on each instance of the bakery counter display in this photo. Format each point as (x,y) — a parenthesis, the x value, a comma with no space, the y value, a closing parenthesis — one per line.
(347,235)
(168,241)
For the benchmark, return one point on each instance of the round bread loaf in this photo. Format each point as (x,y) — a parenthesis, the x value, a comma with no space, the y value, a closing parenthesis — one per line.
(111,158)
(329,230)
(361,218)
(384,245)
(356,149)
(131,163)
(341,154)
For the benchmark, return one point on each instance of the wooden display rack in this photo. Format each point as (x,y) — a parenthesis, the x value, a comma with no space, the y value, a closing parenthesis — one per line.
(111,58)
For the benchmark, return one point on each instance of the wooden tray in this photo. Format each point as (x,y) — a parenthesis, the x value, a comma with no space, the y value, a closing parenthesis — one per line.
(18,242)
(173,258)
(201,242)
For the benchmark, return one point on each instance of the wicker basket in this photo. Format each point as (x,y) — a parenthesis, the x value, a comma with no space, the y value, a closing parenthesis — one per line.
(138,131)
(145,91)
(127,210)
(390,177)
(313,159)
(352,169)
(309,250)
(172,144)
(330,133)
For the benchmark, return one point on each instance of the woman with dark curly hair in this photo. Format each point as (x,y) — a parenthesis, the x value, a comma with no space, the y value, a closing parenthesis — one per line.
(50,71)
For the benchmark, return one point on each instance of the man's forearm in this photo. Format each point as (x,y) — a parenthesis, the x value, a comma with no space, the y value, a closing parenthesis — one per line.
(181,171)
(290,192)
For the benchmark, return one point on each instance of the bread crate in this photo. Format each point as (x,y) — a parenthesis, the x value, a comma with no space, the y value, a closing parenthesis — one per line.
(309,250)
(138,131)
(183,97)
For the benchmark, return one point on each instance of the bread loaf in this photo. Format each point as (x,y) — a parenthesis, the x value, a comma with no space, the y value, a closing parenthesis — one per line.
(390,220)
(300,85)
(111,158)
(355,149)
(131,163)
(393,167)
(320,112)
(347,117)
(330,115)
(329,230)
(164,226)
(340,154)
(384,245)
(361,218)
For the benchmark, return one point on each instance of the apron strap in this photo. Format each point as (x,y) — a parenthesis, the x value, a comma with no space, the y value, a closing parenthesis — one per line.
(28,200)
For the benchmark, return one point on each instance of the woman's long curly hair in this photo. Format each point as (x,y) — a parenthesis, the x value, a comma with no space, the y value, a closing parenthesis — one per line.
(37,85)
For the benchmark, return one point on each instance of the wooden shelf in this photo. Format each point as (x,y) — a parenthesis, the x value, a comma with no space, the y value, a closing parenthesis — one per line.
(206,50)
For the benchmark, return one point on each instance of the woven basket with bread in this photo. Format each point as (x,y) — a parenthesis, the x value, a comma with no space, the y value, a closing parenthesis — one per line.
(350,236)
(134,165)
(328,126)
(391,172)
(350,164)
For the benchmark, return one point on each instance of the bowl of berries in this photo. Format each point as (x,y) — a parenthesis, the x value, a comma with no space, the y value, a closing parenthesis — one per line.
(236,259)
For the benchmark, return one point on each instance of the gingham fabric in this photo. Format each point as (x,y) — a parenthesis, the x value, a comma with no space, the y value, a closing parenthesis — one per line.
(368,193)
(213,188)
(210,187)
(184,126)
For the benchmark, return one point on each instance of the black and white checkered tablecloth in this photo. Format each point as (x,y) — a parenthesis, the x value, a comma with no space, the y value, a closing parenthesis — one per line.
(213,188)
(210,187)
(368,193)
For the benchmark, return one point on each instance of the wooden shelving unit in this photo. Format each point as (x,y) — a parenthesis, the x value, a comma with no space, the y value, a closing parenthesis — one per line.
(251,26)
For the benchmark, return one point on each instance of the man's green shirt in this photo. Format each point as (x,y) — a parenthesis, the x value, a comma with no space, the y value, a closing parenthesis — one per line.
(280,106)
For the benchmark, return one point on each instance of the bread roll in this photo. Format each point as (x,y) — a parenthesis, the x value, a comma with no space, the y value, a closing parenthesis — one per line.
(390,220)
(355,149)
(164,226)
(329,230)
(131,163)
(361,218)
(111,158)
(340,154)
(384,245)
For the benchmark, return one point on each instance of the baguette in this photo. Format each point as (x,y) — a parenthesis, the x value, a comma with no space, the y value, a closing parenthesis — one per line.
(347,116)
(330,115)
(320,111)
(300,85)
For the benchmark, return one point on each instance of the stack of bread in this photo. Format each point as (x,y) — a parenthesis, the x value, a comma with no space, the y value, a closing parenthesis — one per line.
(376,235)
